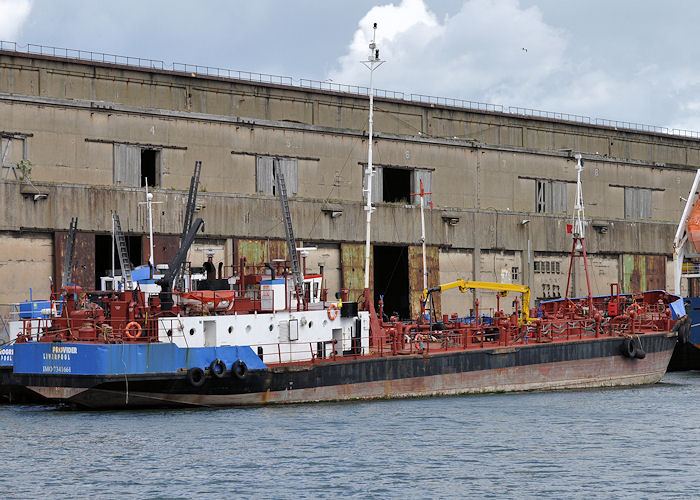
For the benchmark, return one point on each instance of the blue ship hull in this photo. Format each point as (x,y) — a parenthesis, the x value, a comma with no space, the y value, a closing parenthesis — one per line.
(157,375)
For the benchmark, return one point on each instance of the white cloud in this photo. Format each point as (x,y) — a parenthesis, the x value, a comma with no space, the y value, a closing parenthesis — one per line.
(499,52)
(13,14)
(475,54)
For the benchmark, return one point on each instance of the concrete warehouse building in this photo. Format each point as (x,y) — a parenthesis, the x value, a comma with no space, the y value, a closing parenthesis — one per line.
(92,128)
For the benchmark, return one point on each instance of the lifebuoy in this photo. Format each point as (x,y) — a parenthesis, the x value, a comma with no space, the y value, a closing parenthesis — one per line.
(195,376)
(332,312)
(418,341)
(240,369)
(217,368)
(628,348)
(634,308)
(133,326)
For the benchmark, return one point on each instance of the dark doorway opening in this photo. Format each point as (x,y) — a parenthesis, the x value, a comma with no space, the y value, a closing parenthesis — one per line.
(149,167)
(391,280)
(397,185)
(103,255)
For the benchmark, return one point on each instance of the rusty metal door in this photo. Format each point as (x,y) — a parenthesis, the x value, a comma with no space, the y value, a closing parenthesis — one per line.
(352,259)
(257,252)
(164,248)
(415,275)
(84,273)
(643,272)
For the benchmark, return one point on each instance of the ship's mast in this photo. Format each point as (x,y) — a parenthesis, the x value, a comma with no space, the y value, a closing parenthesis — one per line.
(577,229)
(149,202)
(422,232)
(372,63)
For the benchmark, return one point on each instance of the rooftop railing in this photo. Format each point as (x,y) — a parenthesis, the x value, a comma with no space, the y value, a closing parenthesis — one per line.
(327,85)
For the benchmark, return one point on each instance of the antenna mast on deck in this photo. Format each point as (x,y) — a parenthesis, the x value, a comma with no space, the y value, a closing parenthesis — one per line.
(422,233)
(577,229)
(372,63)
(149,203)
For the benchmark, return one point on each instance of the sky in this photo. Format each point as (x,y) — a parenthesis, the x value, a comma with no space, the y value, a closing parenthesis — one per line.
(624,60)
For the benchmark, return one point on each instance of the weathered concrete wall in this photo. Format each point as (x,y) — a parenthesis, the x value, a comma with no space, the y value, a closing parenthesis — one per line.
(60,78)
(26,261)
(485,167)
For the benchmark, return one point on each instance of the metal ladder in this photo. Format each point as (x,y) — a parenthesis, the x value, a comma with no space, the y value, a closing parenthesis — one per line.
(69,253)
(289,231)
(122,251)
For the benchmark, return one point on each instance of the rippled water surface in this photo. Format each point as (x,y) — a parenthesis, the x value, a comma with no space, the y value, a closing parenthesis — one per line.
(639,442)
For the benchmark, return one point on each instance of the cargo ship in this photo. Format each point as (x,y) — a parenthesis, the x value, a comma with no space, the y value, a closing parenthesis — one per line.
(267,334)
(273,338)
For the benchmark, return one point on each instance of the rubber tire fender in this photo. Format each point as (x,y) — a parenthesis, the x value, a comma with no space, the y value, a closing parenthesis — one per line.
(240,370)
(640,353)
(195,376)
(628,348)
(217,368)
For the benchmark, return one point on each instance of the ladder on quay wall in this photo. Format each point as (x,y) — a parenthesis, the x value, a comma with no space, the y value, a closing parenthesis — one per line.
(69,253)
(123,253)
(289,231)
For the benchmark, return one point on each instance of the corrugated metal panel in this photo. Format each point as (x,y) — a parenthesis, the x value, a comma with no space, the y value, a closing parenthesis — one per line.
(120,169)
(263,175)
(645,203)
(377,184)
(637,203)
(290,170)
(127,165)
(415,275)
(558,198)
(426,177)
(352,257)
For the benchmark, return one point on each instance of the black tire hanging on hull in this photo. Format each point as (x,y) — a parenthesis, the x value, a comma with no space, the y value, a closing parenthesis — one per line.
(195,376)
(629,350)
(240,370)
(639,350)
(217,368)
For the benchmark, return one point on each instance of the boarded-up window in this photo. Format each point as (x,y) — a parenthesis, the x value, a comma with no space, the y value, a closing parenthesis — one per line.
(425,176)
(377,184)
(13,149)
(265,176)
(136,166)
(637,203)
(396,184)
(550,196)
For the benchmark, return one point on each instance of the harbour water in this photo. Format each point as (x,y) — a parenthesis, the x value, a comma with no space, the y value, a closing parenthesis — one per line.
(622,443)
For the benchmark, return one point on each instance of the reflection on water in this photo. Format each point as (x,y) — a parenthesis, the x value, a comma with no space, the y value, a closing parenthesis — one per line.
(639,442)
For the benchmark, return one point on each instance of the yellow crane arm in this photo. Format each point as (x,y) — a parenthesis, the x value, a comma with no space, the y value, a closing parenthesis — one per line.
(504,288)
